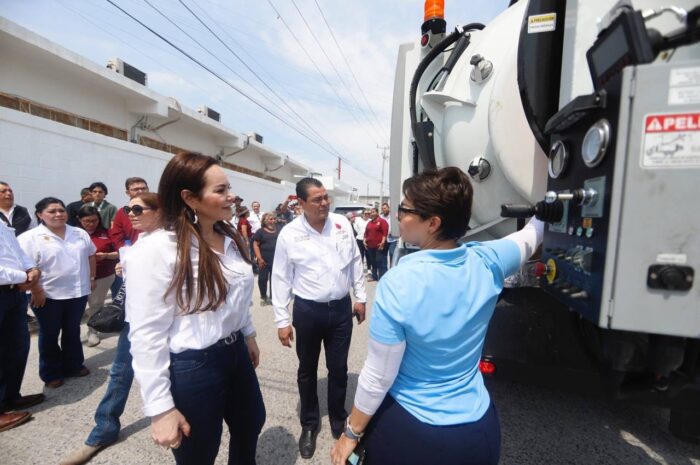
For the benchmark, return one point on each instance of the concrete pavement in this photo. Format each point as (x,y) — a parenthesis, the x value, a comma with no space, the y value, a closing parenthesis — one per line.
(539,426)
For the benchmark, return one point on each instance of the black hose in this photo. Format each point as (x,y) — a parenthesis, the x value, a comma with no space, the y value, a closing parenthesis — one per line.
(426,155)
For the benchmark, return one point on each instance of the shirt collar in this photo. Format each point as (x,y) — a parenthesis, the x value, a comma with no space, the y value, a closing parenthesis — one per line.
(456,255)
(69,231)
(326,226)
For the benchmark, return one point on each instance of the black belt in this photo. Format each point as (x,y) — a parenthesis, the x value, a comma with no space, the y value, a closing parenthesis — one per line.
(332,303)
(9,288)
(228,340)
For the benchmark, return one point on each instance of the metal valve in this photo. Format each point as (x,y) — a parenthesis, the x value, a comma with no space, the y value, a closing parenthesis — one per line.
(586,196)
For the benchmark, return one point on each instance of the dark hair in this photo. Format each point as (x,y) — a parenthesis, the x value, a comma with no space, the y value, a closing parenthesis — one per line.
(84,190)
(185,171)
(4,183)
(151,199)
(87,210)
(42,204)
(99,184)
(303,187)
(385,203)
(445,193)
(134,180)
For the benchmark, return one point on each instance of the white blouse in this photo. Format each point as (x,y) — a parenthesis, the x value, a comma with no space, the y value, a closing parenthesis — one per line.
(157,328)
(64,263)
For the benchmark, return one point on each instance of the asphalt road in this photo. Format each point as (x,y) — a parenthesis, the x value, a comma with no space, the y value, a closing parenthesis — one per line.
(539,426)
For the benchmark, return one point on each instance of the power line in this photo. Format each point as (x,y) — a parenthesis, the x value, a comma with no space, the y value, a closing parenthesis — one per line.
(323,50)
(261,67)
(232,86)
(254,73)
(342,53)
(211,53)
(308,55)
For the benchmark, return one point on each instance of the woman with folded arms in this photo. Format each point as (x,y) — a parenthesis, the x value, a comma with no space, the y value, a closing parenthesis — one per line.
(420,397)
(106,257)
(188,297)
(66,257)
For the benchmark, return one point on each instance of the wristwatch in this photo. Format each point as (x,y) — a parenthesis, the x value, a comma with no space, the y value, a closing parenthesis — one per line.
(350,433)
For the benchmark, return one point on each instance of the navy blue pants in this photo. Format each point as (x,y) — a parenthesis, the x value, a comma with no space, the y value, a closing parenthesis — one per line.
(395,437)
(14,343)
(377,261)
(60,318)
(330,324)
(214,385)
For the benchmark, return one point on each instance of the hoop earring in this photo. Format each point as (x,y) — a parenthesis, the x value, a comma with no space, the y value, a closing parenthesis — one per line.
(191,215)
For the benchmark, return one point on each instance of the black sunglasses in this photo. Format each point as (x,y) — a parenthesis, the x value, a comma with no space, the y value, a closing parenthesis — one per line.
(137,209)
(403,209)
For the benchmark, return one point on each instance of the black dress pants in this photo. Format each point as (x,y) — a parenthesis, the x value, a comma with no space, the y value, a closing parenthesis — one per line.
(331,324)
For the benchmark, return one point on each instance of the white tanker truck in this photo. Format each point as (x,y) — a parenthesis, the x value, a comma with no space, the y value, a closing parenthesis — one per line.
(586,114)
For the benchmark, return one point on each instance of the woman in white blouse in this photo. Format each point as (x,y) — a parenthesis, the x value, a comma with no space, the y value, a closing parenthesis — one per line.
(192,338)
(66,257)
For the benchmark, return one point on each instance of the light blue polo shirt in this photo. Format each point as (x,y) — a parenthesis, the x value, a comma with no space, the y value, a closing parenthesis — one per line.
(440,302)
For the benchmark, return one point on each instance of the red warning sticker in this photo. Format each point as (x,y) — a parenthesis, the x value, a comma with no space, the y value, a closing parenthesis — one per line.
(671,141)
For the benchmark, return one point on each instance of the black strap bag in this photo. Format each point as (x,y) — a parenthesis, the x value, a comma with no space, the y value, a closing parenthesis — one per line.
(110,318)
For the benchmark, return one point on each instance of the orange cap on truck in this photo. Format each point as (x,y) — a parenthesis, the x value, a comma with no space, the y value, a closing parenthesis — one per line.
(434,9)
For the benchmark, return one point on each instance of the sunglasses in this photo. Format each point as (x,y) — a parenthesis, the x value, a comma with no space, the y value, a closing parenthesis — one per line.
(136,209)
(403,210)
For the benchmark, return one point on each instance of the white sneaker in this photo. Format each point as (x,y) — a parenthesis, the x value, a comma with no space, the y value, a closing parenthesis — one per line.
(92,340)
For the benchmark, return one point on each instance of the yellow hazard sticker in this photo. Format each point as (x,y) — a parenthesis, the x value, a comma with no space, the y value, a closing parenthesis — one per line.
(541,23)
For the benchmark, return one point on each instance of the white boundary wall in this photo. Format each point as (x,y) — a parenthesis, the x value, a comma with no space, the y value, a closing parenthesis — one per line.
(40,158)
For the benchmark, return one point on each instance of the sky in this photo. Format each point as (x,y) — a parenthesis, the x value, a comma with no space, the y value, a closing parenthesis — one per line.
(338,96)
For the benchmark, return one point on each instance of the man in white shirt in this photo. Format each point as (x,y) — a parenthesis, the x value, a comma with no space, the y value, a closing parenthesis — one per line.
(255,220)
(14,216)
(390,239)
(17,274)
(317,261)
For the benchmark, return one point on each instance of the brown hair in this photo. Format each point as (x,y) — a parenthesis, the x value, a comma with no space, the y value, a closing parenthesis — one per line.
(445,193)
(186,171)
(151,199)
(134,180)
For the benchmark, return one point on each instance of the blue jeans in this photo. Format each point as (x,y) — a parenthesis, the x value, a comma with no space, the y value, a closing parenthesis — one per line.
(210,386)
(60,317)
(116,285)
(14,343)
(392,247)
(121,375)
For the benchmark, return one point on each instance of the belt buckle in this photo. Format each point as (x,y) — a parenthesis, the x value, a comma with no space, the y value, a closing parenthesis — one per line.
(230,339)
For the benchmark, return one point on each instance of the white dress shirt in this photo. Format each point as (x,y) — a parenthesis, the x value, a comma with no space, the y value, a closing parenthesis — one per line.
(360,226)
(158,328)
(255,220)
(14,263)
(64,263)
(319,267)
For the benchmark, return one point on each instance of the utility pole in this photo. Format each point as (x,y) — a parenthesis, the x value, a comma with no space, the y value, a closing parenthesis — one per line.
(381,183)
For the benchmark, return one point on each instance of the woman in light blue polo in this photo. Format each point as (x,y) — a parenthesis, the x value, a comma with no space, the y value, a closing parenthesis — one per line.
(421,398)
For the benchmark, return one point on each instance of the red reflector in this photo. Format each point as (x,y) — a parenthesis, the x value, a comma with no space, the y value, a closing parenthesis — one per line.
(424,40)
(539,269)
(487,367)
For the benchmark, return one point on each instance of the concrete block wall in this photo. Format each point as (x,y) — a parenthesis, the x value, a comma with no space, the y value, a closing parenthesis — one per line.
(39,157)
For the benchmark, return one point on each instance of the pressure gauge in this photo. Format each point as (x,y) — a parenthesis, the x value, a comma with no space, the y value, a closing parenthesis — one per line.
(558,159)
(595,143)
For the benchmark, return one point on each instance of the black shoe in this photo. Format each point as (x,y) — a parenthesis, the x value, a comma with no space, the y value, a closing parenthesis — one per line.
(307,443)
